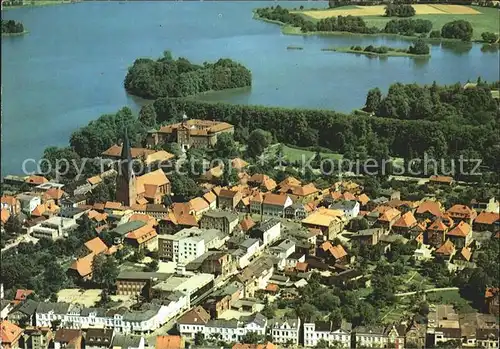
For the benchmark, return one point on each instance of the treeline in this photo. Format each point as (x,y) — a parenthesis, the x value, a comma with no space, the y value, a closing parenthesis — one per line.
(471,106)
(408,27)
(399,10)
(341,132)
(12,27)
(458,29)
(167,77)
(91,140)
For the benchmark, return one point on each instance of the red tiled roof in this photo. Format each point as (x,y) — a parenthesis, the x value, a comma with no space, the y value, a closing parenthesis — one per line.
(487,218)
(275,199)
(461,229)
(247,223)
(301,266)
(272,288)
(22,294)
(446,249)
(432,207)
(9,333)
(407,220)
(168,342)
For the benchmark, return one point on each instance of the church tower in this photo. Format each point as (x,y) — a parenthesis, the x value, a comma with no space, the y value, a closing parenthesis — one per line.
(126,186)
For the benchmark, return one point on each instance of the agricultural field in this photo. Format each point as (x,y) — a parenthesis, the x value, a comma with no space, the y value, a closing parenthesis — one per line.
(379,10)
(483,19)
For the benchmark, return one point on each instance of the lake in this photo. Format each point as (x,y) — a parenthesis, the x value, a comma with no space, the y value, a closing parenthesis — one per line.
(70,68)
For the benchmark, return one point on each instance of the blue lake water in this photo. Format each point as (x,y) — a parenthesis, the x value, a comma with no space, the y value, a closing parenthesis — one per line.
(70,68)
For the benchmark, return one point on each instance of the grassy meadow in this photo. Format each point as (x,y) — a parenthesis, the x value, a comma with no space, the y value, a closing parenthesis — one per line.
(483,19)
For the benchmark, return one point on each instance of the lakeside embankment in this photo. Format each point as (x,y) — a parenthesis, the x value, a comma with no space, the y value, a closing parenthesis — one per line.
(40,3)
(16,34)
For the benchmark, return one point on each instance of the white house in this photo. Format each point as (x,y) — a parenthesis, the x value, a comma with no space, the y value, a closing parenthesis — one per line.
(198,320)
(349,207)
(149,318)
(285,330)
(370,337)
(282,250)
(267,231)
(275,204)
(28,202)
(247,250)
(315,331)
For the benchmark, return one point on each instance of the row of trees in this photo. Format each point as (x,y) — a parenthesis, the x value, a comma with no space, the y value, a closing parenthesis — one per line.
(341,132)
(408,27)
(12,27)
(91,140)
(167,77)
(453,103)
(419,47)
(399,10)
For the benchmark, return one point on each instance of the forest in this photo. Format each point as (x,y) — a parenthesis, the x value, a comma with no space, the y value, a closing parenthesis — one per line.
(168,77)
(12,27)
(448,123)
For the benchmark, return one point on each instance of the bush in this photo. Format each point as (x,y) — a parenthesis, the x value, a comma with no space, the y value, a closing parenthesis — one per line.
(419,48)
(408,26)
(459,29)
(489,37)
(399,10)
(435,34)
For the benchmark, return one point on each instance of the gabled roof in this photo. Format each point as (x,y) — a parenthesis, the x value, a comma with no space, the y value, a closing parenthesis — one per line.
(54,193)
(22,294)
(142,234)
(263,181)
(168,342)
(4,215)
(195,316)
(301,266)
(432,207)
(461,229)
(10,333)
(83,266)
(363,199)
(389,215)
(198,204)
(36,179)
(446,249)
(64,335)
(9,200)
(487,218)
(238,163)
(441,179)
(461,210)
(226,193)
(143,218)
(289,181)
(275,199)
(247,223)
(466,253)
(338,251)
(209,197)
(257,197)
(96,246)
(407,220)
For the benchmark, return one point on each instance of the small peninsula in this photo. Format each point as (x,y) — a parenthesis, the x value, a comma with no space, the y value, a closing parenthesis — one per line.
(11,27)
(418,49)
(168,77)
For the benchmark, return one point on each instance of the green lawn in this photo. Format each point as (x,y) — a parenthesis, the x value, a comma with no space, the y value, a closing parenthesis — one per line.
(487,21)
(294,154)
(449,297)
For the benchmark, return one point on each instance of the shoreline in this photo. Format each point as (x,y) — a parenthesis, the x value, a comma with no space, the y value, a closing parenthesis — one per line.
(391,53)
(41,4)
(287,29)
(15,34)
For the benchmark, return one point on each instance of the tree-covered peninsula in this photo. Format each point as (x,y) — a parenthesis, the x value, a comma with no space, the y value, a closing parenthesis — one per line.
(11,27)
(168,77)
